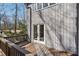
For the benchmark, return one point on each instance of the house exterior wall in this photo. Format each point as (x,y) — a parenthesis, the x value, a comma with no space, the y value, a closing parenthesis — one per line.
(60,25)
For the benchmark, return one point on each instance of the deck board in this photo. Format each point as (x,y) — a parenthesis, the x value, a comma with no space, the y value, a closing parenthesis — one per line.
(2,53)
(42,50)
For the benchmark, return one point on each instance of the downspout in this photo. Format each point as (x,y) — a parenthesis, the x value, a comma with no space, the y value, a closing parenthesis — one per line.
(77,26)
(30,22)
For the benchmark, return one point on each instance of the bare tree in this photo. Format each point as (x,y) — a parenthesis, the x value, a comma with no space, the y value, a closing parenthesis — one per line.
(1,15)
(15,18)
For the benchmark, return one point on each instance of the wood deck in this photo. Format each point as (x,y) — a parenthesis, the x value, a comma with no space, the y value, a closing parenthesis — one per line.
(36,49)
(42,50)
(2,53)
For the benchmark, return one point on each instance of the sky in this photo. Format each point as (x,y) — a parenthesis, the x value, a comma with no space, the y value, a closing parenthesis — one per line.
(9,9)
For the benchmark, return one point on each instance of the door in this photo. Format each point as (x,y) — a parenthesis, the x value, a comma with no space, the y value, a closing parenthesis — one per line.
(38,33)
(35,32)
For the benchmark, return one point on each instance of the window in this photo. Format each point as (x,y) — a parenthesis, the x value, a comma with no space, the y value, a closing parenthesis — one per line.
(45,4)
(38,32)
(39,5)
(52,3)
(35,32)
(32,6)
(41,32)
(35,6)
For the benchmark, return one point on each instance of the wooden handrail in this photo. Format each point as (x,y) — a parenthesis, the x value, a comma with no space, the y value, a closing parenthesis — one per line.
(10,48)
(19,38)
(16,36)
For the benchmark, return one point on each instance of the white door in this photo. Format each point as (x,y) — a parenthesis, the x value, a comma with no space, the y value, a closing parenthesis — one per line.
(38,33)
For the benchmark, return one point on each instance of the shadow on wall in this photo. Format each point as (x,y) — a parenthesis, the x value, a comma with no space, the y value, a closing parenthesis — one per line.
(56,28)
(52,29)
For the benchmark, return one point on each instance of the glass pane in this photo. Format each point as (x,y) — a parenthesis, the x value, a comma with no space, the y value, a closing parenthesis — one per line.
(45,4)
(35,32)
(41,32)
(39,5)
(32,6)
(52,3)
(42,39)
(35,6)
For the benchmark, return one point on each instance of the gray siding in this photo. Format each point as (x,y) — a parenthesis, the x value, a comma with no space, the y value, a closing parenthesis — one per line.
(60,26)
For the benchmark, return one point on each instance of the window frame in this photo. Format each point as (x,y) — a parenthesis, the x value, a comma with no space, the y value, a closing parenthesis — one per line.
(36,7)
(35,37)
(38,31)
(40,6)
(45,6)
(51,4)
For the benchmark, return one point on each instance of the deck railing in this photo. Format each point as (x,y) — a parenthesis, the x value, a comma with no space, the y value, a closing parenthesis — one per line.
(9,47)
(17,38)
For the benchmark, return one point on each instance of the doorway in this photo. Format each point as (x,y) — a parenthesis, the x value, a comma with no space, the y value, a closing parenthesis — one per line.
(38,33)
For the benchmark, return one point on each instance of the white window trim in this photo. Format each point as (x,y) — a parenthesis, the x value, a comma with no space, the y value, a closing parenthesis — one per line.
(44,7)
(48,4)
(38,41)
(36,6)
